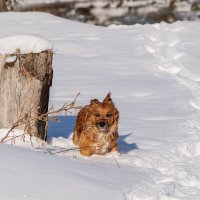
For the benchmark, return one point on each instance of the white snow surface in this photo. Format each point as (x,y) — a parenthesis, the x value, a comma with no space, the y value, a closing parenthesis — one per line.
(154,76)
(25,43)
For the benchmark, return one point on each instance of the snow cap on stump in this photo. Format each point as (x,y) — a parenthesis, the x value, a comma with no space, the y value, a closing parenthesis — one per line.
(26,44)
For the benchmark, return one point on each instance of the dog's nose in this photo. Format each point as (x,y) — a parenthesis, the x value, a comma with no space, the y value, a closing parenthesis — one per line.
(102,124)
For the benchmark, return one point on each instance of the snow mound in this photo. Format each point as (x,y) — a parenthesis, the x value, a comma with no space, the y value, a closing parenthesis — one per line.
(19,138)
(26,44)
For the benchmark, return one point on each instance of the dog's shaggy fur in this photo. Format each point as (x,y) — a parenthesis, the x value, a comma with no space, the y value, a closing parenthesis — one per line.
(96,129)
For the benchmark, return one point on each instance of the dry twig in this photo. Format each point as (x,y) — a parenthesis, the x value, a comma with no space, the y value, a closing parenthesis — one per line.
(29,121)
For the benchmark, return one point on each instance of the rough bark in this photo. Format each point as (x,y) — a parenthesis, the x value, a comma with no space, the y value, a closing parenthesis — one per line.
(3,5)
(25,81)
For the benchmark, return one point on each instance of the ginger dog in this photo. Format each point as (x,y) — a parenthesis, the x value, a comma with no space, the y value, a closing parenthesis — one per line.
(96,129)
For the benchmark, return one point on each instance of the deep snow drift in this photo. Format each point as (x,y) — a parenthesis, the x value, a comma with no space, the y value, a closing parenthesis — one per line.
(153,73)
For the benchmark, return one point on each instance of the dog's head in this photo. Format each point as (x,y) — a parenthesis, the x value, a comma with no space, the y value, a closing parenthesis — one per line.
(103,114)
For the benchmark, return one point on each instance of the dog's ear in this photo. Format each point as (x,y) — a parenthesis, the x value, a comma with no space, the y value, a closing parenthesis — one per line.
(116,115)
(108,99)
(94,101)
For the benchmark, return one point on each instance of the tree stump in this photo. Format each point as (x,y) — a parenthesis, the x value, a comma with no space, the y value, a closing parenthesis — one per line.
(25,81)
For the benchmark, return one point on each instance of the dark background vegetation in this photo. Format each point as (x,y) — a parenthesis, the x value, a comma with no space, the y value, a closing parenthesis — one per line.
(105,12)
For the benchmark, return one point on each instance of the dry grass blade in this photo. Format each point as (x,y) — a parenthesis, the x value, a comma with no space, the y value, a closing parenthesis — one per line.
(115,160)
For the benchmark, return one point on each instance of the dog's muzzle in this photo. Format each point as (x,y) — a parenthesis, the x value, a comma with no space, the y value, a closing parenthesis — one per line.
(102,125)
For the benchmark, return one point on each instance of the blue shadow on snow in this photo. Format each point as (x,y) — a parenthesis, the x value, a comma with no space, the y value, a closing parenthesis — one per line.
(125,147)
(65,127)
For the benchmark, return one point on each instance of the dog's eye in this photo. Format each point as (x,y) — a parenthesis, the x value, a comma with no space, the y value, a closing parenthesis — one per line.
(108,115)
(97,114)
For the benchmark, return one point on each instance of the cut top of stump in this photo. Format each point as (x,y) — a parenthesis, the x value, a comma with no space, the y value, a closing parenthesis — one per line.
(25,43)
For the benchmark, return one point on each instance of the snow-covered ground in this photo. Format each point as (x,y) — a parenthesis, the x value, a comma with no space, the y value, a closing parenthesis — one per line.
(153,73)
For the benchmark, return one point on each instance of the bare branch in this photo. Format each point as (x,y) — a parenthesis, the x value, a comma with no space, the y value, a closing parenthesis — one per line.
(30,121)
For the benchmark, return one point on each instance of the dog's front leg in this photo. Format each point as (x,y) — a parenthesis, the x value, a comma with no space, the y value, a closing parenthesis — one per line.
(87,148)
(113,141)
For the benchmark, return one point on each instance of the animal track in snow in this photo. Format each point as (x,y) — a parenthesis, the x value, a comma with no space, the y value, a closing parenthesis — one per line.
(165,52)
(168,59)
(174,168)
